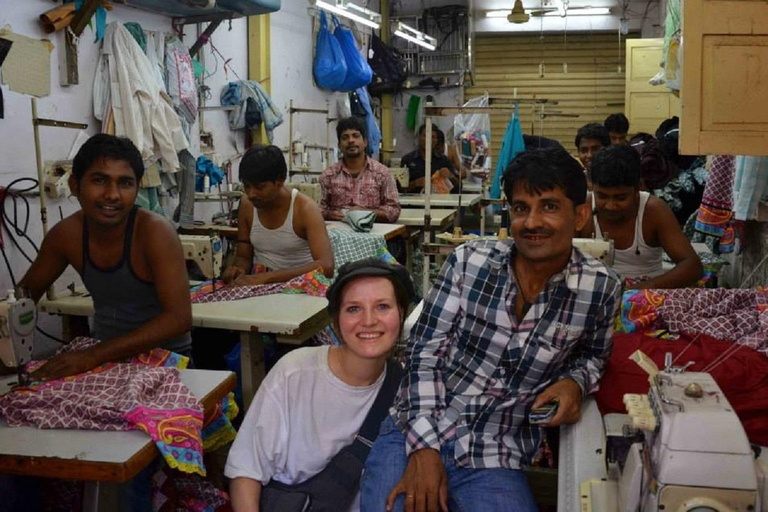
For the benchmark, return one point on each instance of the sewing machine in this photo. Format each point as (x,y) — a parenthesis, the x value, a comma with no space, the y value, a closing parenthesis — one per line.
(204,251)
(18,318)
(401,175)
(680,448)
(599,249)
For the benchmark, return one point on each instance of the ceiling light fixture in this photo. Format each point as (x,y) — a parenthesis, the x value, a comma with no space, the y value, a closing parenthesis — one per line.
(415,36)
(349,10)
(560,5)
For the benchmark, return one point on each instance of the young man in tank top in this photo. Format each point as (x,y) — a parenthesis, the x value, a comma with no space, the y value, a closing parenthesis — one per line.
(130,259)
(280,229)
(642,226)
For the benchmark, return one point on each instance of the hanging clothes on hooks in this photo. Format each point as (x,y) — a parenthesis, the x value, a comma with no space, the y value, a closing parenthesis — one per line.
(512,145)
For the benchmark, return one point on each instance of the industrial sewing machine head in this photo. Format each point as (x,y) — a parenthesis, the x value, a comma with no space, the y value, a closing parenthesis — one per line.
(18,318)
(599,249)
(401,175)
(682,448)
(205,252)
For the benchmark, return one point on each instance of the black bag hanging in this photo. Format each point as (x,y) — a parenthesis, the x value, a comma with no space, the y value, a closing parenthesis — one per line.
(356,106)
(389,68)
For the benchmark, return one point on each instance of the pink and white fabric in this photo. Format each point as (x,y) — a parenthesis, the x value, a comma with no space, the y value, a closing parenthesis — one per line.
(116,396)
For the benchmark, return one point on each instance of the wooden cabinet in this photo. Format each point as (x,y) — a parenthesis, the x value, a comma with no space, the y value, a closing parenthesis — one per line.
(725,77)
(646,106)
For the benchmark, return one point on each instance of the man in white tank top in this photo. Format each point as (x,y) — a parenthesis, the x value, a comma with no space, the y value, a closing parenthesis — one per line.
(279,229)
(642,226)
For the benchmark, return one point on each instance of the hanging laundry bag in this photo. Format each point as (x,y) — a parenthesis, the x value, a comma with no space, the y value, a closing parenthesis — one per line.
(359,72)
(330,66)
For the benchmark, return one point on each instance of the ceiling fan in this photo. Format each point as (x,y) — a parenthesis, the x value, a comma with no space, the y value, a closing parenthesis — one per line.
(557,7)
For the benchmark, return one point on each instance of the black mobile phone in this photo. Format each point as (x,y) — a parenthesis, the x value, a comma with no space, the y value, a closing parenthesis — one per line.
(543,414)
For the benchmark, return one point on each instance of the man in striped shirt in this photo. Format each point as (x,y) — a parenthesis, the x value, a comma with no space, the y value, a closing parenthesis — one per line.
(357,181)
(508,326)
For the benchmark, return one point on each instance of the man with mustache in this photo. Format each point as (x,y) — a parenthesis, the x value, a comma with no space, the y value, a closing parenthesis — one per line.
(508,326)
(641,226)
(357,181)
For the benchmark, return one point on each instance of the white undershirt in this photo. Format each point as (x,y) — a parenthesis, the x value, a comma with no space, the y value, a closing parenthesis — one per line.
(301,416)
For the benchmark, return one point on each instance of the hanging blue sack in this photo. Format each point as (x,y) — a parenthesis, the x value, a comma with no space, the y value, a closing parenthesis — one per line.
(359,73)
(330,66)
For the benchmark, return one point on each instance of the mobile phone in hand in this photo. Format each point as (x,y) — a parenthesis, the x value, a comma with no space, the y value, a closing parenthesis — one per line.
(543,414)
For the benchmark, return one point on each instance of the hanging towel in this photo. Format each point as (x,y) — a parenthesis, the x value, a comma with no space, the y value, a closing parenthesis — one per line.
(371,128)
(238,93)
(512,145)
(715,209)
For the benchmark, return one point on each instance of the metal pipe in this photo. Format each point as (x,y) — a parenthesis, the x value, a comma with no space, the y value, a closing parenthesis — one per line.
(427,200)
(40,170)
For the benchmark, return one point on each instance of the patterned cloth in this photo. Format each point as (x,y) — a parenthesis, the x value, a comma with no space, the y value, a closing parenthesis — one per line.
(473,370)
(740,316)
(715,210)
(312,283)
(352,246)
(145,394)
(374,189)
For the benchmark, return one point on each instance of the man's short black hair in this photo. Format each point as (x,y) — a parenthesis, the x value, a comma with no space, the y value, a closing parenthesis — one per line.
(616,166)
(107,146)
(350,123)
(261,164)
(423,127)
(593,131)
(440,136)
(617,123)
(546,169)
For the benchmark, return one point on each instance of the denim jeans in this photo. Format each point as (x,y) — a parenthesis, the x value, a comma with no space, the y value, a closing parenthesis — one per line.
(469,489)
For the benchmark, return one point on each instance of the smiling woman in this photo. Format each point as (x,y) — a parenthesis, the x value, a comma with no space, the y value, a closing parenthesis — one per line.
(343,389)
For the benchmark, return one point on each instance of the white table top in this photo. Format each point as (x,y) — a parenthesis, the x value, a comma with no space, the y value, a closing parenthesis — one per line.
(415,217)
(379,228)
(278,313)
(439,200)
(90,446)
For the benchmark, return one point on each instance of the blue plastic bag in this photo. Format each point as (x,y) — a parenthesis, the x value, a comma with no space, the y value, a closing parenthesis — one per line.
(359,72)
(330,66)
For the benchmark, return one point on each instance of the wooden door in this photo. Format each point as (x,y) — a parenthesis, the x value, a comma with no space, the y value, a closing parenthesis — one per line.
(646,105)
(725,78)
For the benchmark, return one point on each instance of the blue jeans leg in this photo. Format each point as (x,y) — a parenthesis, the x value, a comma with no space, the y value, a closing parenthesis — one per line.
(384,467)
(489,490)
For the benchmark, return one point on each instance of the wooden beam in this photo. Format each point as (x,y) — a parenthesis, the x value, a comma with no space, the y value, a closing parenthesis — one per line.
(83,16)
(259,60)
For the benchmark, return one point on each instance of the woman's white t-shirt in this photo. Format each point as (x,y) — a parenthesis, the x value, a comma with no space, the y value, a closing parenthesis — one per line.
(301,416)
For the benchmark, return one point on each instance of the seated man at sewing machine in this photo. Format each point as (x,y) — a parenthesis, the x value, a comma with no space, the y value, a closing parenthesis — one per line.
(642,226)
(510,327)
(357,181)
(130,261)
(442,167)
(281,230)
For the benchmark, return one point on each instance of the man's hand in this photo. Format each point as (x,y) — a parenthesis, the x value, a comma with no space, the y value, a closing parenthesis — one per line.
(251,280)
(64,365)
(567,393)
(335,215)
(424,483)
(232,273)
(445,172)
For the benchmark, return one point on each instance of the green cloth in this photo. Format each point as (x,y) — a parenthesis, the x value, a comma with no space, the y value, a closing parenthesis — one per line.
(413,112)
(149,199)
(360,220)
(138,34)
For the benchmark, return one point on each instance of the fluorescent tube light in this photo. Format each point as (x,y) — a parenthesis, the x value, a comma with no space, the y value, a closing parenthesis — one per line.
(560,7)
(497,14)
(342,8)
(416,36)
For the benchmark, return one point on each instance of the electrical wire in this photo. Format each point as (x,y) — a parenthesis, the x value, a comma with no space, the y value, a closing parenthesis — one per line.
(54,338)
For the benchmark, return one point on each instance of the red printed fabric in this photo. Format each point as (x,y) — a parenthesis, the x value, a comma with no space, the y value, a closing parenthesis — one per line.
(740,316)
(116,396)
(743,376)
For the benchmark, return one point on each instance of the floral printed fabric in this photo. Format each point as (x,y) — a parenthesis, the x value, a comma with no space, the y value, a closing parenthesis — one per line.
(143,394)
(740,316)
